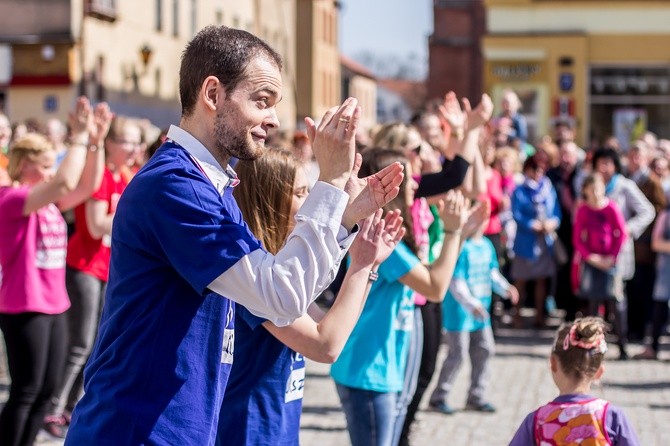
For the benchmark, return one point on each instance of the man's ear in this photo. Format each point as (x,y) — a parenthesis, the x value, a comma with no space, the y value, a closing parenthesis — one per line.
(209,92)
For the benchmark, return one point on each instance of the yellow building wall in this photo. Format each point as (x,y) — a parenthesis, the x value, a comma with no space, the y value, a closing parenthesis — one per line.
(317,57)
(542,53)
(630,49)
(29,102)
(365,90)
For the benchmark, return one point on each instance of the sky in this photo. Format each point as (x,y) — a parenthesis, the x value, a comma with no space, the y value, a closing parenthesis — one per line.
(386,27)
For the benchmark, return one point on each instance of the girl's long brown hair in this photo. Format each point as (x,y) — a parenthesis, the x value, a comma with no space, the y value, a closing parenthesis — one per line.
(265,194)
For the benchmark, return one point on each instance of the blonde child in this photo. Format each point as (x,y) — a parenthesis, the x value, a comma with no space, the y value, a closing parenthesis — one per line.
(575,416)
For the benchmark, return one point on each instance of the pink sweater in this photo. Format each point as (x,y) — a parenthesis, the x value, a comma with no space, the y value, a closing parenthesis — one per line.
(599,231)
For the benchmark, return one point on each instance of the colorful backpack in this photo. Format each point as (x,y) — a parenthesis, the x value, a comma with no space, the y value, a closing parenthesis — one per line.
(572,424)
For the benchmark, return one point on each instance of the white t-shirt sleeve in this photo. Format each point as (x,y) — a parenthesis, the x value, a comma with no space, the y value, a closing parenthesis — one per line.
(280,287)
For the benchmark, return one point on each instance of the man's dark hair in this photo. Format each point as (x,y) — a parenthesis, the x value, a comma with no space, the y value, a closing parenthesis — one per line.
(222,52)
(607,153)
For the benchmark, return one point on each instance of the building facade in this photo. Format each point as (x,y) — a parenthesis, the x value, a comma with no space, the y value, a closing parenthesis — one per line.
(124,52)
(318,57)
(602,64)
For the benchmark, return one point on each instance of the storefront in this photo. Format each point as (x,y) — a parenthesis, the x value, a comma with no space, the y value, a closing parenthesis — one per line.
(626,101)
(603,65)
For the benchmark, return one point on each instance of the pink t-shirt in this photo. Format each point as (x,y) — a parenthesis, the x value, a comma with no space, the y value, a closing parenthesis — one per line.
(32,256)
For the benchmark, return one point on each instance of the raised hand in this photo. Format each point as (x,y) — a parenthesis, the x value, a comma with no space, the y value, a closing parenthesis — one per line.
(81,120)
(451,112)
(481,114)
(102,119)
(392,232)
(377,238)
(333,142)
(454,211)
(368,194)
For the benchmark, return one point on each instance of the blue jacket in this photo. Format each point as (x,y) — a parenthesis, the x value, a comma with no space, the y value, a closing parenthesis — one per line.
(527,205)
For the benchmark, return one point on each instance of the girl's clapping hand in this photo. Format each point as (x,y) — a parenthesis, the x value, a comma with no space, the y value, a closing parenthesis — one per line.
(377,238)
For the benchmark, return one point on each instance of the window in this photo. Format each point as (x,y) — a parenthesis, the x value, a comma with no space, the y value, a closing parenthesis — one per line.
(194,17)
(175,18)
(100,94)
(159,15)
(101,9)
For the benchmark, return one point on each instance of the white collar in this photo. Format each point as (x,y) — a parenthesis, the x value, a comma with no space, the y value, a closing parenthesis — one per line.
(221,178)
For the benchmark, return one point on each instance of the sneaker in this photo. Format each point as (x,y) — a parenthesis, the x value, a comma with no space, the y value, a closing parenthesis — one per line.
(484,407)
(443,408)
(648,353)
(55,426)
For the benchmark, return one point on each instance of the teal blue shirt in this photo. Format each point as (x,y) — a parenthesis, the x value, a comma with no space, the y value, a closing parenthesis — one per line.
(475,264)
(375,356)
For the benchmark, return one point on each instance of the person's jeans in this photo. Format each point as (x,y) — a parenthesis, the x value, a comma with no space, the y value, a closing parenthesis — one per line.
(87,294)
(36,356)
(370,415)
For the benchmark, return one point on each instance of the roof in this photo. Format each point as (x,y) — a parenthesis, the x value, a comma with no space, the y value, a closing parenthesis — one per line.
(356,67)
(412,92)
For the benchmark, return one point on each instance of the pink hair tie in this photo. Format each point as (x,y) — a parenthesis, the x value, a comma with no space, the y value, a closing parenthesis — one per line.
(599,345)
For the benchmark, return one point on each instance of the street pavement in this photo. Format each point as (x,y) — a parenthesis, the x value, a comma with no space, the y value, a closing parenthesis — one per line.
(520,382)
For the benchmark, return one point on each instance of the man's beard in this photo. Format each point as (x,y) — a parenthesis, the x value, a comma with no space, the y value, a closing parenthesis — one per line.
(234,144)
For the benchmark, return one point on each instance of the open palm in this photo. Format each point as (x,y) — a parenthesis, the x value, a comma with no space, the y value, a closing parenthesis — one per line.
(368,194)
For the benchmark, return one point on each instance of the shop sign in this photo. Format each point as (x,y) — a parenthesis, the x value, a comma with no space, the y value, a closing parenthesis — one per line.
(516,71)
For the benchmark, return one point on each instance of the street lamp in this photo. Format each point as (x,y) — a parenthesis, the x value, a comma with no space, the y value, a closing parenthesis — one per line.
(145,54)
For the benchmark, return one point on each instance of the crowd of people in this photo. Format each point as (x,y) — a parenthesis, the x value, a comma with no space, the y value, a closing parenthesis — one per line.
(211,241)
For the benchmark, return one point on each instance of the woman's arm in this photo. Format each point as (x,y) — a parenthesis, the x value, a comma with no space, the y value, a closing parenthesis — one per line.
(451,176)
(69,172)
(323,341)
(95,162)
(619,225)
(579,233)
(474,183)
(433,280)
(98,219)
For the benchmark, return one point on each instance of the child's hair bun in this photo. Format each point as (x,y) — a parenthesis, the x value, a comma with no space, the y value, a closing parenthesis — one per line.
(589,329)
